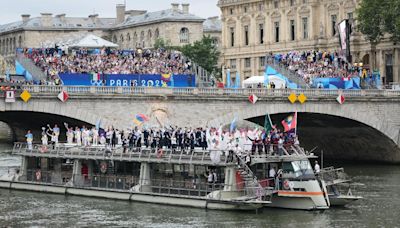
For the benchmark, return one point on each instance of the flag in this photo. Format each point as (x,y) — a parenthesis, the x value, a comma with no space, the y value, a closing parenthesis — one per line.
(95,77)
(172,81)
(340,99)
(63,96)
(140,119)
(237,81)
(268,124)
(290,122)
(166,77)
(233,125)
(228,79)
(253,99)
(98,124)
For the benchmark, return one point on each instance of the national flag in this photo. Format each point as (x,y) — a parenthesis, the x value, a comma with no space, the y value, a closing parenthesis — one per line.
(140,119)
(268,124)
(98,124)
(237,81)
(290,122)
(340,99)
(166,77)
(346,79)
(233,125)
(253,98)
(63,96)
(95,77)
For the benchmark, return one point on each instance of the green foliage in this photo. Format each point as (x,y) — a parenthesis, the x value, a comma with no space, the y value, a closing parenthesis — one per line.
(161,43)
(375,18)
(204,53)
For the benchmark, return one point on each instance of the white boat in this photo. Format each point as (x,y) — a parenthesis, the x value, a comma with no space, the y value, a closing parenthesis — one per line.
(295,185)
(339,185)
(153,176)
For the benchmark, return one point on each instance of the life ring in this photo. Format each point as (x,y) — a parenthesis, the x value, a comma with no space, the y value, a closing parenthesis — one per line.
(103,167)
(286,184)
(43,149)
(160,153)
(38,175)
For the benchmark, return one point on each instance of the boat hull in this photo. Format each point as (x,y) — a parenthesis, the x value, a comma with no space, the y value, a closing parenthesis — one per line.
(340,201)
(173,200)
(296,203)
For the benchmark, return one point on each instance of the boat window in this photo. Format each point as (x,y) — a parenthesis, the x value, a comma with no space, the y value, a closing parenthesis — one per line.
(302,168)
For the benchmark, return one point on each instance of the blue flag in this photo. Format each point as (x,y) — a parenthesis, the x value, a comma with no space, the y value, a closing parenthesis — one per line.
(172,81)
(237,81)
(228,78)
(233,125)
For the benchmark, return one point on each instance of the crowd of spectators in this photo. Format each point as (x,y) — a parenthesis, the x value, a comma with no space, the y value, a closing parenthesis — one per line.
(314,64)
(106,61)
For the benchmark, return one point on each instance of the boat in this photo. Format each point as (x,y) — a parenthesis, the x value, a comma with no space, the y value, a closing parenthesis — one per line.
(161,176)
(295,185)
(340,187)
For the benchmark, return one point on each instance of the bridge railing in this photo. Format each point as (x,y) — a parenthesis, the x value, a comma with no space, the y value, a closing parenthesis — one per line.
(97,90)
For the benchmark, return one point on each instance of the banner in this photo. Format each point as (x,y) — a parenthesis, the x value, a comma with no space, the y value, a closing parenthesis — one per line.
(137,80)
(337,83)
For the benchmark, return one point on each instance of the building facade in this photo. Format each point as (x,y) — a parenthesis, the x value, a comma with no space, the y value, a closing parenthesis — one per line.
(253,28)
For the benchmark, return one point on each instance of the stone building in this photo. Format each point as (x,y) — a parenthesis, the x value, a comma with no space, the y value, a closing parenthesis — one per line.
(252,28)
(130,28)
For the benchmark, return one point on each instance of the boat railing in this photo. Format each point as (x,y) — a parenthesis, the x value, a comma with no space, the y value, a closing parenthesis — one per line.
(252,187)
(123,183)
(333,175)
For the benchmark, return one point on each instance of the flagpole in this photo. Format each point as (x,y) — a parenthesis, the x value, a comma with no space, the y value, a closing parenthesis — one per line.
(295,130)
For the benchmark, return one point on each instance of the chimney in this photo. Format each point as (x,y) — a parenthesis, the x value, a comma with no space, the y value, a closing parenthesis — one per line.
(61,16)
(25,18)
(46,19)
(94,18)
(185,8)
(175,7)
(120,13)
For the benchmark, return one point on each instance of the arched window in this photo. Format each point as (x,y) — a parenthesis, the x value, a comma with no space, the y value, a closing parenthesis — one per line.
(142,43)
(156,34)
(135,44)
(149,37)
(115,39)
(128,37)
(20,42)
(121,38)
(184,35)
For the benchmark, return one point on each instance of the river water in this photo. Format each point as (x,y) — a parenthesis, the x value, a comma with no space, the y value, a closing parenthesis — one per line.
(379,208)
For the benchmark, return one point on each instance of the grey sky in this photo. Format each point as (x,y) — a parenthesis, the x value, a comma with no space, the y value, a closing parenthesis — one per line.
(11,10)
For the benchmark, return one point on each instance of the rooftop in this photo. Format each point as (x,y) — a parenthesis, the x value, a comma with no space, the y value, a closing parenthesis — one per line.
(47,21)
(163,15)
(212,24)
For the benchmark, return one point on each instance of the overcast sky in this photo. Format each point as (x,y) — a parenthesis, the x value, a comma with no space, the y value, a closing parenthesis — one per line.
(11,10)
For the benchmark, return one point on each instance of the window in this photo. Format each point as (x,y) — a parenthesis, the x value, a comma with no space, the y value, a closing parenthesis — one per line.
(261,7)
(233,63)
(156,34)
(305,28)
(334,20)
(232,37)
(292,30)
(247,62)
(262,61)
(304,1)
(128,37)
(261,33)
(214,41)
(246,35)
(121,38)
(276,4)
(292,2)
(231,11)
(184,35)
(245,9)
(277,31)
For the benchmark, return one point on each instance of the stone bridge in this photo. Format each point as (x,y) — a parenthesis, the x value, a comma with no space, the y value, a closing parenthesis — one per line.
(365,127)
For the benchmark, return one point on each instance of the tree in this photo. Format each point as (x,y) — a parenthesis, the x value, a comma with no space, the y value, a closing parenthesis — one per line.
(161,43)
(204,53)
(377,18)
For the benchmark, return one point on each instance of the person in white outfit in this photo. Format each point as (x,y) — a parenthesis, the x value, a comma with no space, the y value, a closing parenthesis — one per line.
(95,135)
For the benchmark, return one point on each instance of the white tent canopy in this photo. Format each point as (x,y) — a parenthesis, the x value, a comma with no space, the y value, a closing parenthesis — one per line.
(91,41)
(255,80)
